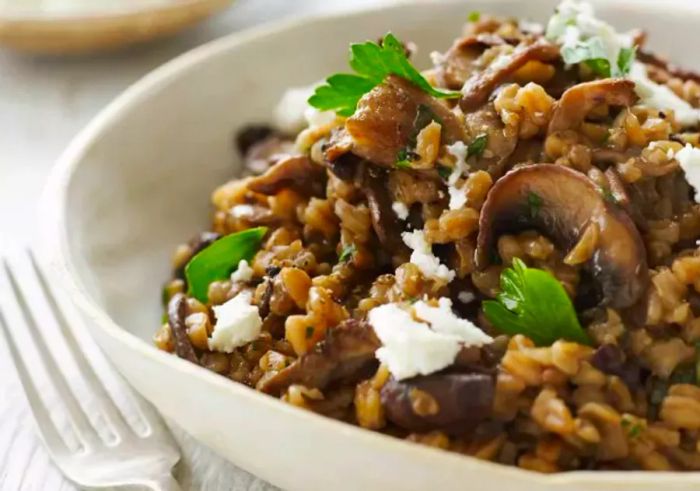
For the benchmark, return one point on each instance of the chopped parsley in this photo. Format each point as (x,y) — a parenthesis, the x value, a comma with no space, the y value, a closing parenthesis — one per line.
(424,116)
(218,260)
(534,203)
(533,302)
(477,147)
(347,253)
(372,63)
(444,171)
(309,332)
(474,16)
(608,195)
(633,428)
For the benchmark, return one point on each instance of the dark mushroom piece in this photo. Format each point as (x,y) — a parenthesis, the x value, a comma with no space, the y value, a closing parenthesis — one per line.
(665,65)
(579,100)
(297,172)
(384,221)
(383,123)
(177,311)
(346,354)
(480,86)
(568,203)
(451,402)
(457,64)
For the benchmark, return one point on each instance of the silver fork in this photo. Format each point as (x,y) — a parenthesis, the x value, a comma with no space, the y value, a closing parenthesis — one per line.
(130,458)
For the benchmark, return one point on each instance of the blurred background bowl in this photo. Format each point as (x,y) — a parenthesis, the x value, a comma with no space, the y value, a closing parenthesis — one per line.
(61,27)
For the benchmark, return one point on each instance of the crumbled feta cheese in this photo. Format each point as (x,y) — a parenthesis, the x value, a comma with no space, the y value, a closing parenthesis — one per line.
(530,26)
(458,195)
(689,159)
(413,347)
(400,209)
(242,211)
(243,273)
(422,256)
(293,112)
(237,323)
(574,22)
(661,97)
(466,297)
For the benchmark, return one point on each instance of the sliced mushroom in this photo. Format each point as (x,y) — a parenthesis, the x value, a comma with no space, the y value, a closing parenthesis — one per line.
(384,220)
(665,65)
(567,201)
(177,311)
(501,143)
(579,100)
(618,190)
(480,86)
(292,171)
(383,123)
(452,402)
(457,64)
(347,354)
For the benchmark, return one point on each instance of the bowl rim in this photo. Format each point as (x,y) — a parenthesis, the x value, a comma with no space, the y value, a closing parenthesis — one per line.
(15,15)
(54,235)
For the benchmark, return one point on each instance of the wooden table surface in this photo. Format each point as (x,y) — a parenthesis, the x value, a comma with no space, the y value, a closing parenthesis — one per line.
(44,102)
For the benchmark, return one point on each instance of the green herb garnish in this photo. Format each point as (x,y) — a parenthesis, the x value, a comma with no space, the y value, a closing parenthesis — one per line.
(474,16)
(633,428)
(372,63)
(309,332)
(477,147)
(608,195)
(444,171)
(594,54)
(533,302)
(534,203)
(347,253)
(625,60)
(424,116)
(220,259)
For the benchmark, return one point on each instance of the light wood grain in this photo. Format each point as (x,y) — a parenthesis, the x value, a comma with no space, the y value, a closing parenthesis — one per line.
(90,33)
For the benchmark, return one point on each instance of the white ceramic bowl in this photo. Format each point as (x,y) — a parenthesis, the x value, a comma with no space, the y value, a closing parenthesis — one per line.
(138,179)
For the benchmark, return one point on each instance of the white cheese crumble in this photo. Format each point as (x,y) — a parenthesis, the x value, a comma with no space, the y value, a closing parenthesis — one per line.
(424,345)
(423,257)
(458,195)
(400,209)
(242,211)
(466,297)
(661,97)
(689,159)
(293,112)
(574,22)
(237,323)
(243,273)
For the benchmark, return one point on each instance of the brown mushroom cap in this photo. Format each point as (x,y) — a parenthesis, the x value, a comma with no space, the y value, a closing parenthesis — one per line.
(458,401)
(568,202)
(579,100)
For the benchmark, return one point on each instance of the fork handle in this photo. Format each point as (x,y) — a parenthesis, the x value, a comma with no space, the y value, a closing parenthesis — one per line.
(164,483)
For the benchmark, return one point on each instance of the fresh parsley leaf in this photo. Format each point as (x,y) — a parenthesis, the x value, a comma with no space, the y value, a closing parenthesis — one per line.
(347,253)
(533,302)
(592,52)
(534,203)
(608,195)
(309,332)
(372,63)
(478,146)
(220,259)
(474,16)
(341,93)
(625,60)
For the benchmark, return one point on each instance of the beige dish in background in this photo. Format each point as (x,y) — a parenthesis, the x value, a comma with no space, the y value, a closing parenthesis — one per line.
(76,27)
(138,180)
